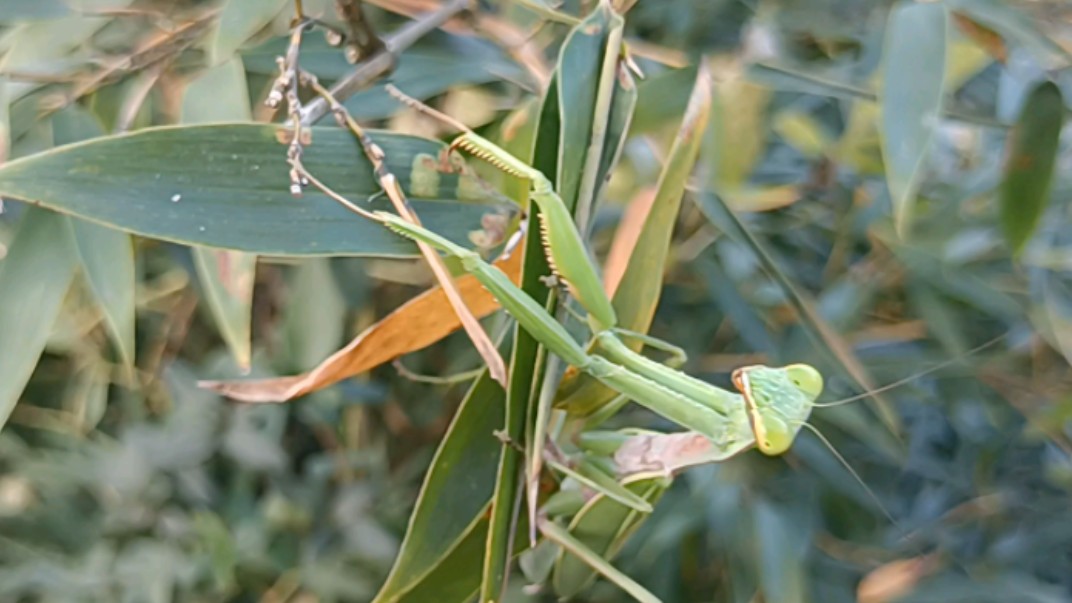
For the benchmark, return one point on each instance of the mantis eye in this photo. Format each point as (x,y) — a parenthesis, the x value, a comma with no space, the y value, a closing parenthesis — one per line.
(806,378)
(775,438)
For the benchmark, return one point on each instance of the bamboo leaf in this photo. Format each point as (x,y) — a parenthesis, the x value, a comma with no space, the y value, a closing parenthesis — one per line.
(227,277)
(226,185)
(462,472)
(106,254)
(1029,164)
(34,277)
(913,84)
(636,298)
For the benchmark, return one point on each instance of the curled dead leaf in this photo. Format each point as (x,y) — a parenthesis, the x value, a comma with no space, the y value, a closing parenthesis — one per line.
(416,324)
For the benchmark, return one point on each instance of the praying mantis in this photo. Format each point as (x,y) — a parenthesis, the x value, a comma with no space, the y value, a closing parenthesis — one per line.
(772,405)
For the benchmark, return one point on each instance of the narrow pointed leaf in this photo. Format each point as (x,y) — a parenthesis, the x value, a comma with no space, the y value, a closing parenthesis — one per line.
(636,298)
(107,257)
(227,277)
(226,185)
(106,254)
(463,474)
(1029,164)
(34,277)
(595,97)
(913,83)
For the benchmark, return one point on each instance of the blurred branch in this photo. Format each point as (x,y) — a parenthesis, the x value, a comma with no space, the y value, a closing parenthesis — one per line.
(361,39)
(383,61)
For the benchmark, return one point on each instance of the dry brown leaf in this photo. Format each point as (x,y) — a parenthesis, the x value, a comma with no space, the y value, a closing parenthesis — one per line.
(987,39)
(896,579)
(416,324)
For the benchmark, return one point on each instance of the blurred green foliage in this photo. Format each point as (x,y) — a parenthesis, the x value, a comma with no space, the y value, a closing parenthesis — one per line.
(121,480)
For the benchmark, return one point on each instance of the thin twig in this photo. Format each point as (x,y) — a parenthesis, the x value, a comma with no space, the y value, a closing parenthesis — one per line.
(384,60)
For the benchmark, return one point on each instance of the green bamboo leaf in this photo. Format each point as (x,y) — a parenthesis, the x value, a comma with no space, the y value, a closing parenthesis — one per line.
(227,278)
(1029,164)
(463,474)
(34,277)
(526,368)
(913,84)
(315,313)
(106,254)
(220,94)
(584,107)
(107,257)
(638,293)
(226,185)
(662,98)
(43,42)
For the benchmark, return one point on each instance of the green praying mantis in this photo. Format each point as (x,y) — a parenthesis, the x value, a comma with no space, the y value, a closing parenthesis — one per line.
(767,413)
(773,403)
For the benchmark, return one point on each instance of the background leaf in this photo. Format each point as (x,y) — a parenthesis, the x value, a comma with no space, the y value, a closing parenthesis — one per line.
(227,185)
(1032,157)
(28,303)
(912,90)
(220,94)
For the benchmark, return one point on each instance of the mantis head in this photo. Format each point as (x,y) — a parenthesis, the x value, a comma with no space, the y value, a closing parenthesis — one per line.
(778,401)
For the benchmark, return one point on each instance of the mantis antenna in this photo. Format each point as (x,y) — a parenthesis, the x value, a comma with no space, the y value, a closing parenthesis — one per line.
(900,382)
(844,463)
